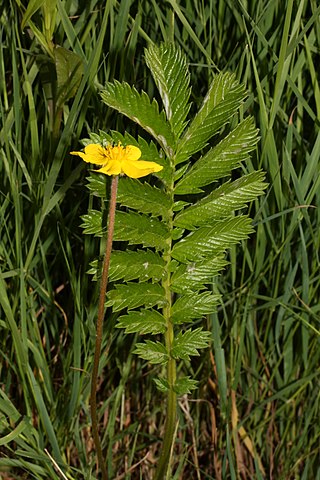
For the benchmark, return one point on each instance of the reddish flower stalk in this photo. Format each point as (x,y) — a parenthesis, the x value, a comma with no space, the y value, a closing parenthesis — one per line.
(99,330)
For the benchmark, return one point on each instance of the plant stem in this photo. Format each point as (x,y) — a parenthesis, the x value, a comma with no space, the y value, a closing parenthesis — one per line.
(170,424)
(99,330)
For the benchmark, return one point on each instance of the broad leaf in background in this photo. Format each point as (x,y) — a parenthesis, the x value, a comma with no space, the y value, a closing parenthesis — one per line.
(69,68)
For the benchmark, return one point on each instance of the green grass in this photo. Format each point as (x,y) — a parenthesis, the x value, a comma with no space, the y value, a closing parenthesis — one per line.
(256,413)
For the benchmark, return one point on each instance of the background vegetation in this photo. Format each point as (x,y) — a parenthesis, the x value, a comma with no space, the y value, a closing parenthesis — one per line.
(256,413)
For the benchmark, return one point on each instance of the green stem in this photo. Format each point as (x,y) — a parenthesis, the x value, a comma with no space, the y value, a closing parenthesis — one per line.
(170,425)
(99,330)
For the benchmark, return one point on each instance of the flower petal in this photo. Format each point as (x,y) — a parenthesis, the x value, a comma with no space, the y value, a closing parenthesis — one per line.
(139,169)
(113,167)
(93,153)
(80,154)
(116,160)
(132,152)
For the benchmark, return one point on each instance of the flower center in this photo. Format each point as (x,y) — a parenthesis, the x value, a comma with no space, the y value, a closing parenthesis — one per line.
(115,153)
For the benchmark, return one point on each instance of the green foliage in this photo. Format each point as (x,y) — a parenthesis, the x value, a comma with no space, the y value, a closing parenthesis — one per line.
(257,406)
(134,295)
(154,352)
(171,283)
(194,276)
(131,265)
(143,322)
(222,201)
(183,385)
(92,223)
(205,242)
(162,384)
(189,342)
(219,160)
(132,227)
(193,305)
(138,107)
(143,197)
(97,185)
(170,72)
(138,228)
(182,263)
(69,68)
(223,99)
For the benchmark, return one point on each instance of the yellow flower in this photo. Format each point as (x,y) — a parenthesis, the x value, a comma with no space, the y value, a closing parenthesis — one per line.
(118,160)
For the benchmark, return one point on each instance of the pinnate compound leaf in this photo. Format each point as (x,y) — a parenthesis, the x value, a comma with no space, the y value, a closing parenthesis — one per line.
(185,385)
(143,265)
(170,72)
(143,322)
(221,159)
(133,227)
(95,269)
(97,184)
(181,171)
(92,223)
(137,106)
(193,305)
(154,352)
(143,197)
(223,201)
(140,229)
(180,205)
(177,233)
(193,276)
(189,342)
(133,295)
(223,99)
(207,242)
(162,384)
